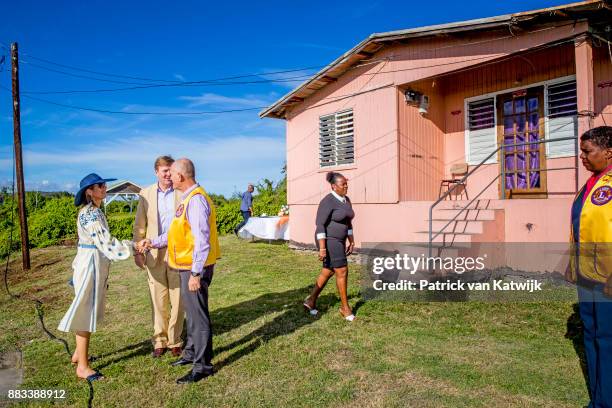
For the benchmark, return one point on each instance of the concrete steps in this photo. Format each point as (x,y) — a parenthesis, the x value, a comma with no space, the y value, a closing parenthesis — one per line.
(477,223)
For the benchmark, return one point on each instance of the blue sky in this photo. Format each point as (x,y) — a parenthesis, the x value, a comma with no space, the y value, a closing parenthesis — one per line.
(184,41)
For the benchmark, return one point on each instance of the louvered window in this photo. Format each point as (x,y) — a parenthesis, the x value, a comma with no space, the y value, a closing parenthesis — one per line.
(562,113)
(336,142)
(481,140)
(482,114)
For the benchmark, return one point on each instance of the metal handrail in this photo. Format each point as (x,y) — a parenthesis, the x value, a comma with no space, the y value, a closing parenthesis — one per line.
(501,147)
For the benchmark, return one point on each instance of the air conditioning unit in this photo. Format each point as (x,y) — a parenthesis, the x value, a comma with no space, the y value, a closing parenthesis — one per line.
(412,97)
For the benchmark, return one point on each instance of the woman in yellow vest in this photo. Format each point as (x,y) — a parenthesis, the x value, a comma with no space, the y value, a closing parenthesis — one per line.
(591,261)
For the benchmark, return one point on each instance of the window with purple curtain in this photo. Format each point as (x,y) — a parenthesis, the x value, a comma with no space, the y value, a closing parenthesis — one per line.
(521,124)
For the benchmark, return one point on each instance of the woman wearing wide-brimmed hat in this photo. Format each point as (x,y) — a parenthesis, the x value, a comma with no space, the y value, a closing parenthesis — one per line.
(96,249)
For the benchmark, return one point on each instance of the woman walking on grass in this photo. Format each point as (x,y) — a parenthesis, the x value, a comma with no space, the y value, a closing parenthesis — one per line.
(334,229)
(96,249)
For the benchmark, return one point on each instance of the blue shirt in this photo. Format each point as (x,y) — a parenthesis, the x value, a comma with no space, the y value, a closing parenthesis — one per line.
(165,209)
(247,201)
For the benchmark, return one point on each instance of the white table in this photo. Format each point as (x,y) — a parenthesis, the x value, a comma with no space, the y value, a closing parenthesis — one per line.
(265,228)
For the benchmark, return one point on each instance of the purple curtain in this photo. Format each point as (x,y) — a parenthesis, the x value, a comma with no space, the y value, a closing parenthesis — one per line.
(509,151)
(534,156)
(521,126)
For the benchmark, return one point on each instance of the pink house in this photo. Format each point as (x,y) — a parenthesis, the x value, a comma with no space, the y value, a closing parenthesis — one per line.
(504,97)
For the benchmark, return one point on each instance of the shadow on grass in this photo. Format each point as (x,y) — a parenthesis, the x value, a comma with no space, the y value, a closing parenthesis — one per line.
(575,332)
(291,318)
(137,349)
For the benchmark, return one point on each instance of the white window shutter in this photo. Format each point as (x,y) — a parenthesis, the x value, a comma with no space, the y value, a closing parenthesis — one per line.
(481,134)
(562,116)
(336,139)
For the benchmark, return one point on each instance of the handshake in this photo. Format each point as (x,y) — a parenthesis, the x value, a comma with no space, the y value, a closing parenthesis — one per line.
(143,246)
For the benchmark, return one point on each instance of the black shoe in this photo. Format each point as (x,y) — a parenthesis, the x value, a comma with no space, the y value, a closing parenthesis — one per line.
(191,377)
(180,362)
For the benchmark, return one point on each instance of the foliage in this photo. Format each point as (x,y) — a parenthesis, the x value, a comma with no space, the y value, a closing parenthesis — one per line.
(269,198)
(228,216)
(55,222)
(121,207)
(121,227)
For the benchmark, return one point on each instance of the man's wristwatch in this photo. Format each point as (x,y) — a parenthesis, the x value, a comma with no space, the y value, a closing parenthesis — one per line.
(195,274)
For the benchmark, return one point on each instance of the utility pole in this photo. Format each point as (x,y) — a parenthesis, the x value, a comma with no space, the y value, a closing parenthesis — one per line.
(23,220)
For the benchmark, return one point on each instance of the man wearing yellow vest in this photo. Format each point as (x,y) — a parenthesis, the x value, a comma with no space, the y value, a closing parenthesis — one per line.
(591,261)
(193,250)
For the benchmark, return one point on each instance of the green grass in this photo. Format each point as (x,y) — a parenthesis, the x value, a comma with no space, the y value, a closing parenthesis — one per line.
(268,353)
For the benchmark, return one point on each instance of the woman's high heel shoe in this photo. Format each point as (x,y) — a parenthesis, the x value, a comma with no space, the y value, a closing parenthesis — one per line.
(348,318)
(310,310)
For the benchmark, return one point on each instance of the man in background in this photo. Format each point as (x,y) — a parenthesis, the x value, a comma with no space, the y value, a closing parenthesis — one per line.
(246,207)
(155,212)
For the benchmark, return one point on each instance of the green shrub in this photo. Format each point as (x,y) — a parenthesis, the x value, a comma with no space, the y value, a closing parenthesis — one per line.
(53,223)
(121,207)
(121,227)
(228,216)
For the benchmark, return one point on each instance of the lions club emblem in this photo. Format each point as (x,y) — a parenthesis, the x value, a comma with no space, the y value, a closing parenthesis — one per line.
(179,210)
(602,195)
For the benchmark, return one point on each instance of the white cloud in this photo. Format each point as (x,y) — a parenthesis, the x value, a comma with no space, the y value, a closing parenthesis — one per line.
(225,101)
(179,77)
(221,163)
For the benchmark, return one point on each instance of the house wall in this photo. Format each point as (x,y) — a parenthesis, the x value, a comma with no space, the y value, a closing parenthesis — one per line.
(421,144)
(384,189)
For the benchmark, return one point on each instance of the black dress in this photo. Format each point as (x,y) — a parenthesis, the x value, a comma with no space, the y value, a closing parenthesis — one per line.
(334,219)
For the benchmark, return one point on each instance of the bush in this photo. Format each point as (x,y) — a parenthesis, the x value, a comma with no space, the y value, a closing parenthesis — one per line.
(121,227)
(228,216)
(53,223)
(121,207)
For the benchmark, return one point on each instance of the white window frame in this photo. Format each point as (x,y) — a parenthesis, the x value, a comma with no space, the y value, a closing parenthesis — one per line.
(546,119)
(466,109)
(494,95)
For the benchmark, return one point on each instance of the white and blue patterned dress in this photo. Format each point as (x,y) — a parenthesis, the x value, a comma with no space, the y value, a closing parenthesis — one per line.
(97,248)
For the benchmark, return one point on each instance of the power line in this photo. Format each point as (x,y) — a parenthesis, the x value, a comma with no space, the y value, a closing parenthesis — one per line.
(169,81)
(186,84)
(136,113)
(178,83)
(79,75)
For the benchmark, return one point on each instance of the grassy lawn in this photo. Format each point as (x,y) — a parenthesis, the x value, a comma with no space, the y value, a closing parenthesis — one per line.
(268,353)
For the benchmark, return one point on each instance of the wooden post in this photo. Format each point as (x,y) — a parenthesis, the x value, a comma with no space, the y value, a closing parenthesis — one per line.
(585,91)
(23,220)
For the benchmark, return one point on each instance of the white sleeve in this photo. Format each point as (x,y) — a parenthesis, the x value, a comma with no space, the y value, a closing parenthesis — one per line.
(111,247)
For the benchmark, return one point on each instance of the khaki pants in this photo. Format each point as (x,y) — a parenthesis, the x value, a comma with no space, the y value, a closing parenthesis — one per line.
(168,313)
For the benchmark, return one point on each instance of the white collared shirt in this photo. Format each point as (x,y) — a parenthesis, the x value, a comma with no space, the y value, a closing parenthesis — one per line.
(339,197)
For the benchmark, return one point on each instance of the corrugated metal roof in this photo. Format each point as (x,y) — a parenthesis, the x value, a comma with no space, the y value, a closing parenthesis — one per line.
(368,47)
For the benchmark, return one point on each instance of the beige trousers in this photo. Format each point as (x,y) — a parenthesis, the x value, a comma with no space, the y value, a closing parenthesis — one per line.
(168,313)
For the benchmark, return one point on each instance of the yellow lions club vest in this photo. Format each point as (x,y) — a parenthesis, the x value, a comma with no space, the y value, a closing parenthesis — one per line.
(180,237)
(594,250)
